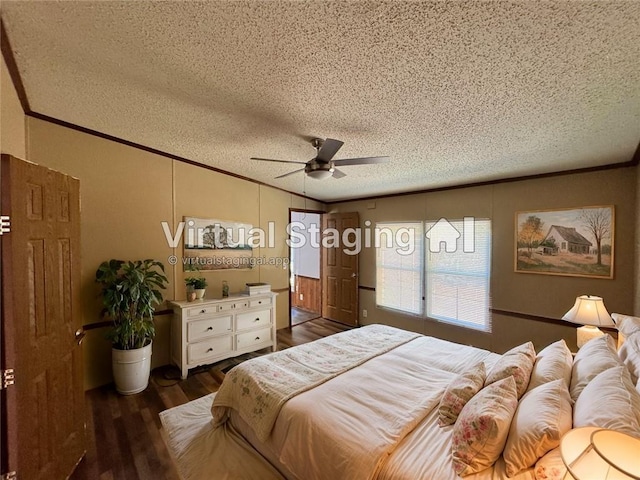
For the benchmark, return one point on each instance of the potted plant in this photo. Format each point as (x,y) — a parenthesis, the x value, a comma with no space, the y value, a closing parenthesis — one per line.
(197,284)
(130,292)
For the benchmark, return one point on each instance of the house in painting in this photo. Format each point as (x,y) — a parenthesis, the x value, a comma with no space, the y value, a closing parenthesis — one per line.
(561,239)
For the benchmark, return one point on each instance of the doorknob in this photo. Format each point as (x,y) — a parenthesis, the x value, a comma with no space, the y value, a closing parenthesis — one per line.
(353,275)
(80,335)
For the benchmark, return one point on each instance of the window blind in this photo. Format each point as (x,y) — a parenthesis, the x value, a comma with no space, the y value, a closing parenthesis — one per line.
(457,280)
(398,269)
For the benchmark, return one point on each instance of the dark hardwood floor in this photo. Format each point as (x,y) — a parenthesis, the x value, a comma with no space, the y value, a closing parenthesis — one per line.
(123,432)
(299,316)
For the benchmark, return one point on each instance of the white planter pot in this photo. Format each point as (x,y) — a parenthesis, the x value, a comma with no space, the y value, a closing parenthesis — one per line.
(131,369)
(200,292)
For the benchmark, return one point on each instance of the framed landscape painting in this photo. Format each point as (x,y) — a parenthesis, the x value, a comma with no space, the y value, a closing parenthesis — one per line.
(574,242)
(211,244)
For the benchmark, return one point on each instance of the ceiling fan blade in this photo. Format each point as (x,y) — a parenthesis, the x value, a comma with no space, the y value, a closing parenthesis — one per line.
(328,149)
(279,161)
(338,173)
(360,161)
(290,173)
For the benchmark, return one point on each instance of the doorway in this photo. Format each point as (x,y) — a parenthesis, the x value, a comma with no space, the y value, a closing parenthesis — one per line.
(305,266)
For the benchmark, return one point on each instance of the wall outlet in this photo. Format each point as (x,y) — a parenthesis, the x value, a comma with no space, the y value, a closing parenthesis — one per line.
(301,297)
(364,314)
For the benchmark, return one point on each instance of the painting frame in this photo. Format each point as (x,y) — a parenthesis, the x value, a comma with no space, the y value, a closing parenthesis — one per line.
(212,245)
(570,242)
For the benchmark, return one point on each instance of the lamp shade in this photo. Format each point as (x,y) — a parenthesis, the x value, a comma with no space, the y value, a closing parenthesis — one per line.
(596,453)
(589,310)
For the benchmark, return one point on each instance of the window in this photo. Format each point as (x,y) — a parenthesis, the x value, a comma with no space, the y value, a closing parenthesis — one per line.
(399,266)
(457,273)
(447,276)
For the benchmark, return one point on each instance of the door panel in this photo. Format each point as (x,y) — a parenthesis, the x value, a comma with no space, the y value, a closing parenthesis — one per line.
(340,273)
(44,411)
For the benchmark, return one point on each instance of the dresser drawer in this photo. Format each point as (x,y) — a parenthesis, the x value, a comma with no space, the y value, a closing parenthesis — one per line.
(200,311)
(254,337)
(198,329)
(212,347)
(257,302)
(255,319)
(226,307)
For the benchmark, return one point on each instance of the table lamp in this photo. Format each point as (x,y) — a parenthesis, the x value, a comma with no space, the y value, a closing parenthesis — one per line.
(593,453)
(590,312)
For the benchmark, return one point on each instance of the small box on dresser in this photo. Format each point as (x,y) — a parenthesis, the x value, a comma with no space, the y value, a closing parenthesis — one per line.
(210,330)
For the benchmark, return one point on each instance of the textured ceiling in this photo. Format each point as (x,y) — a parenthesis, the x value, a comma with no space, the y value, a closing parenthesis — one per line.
(453,92)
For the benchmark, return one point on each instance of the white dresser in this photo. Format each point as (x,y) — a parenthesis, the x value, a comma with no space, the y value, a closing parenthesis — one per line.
(207,331)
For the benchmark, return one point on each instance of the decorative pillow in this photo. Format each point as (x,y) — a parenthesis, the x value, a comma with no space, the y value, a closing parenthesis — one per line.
(482,427)
(609,401)
(517,362)
(459,392)
(629,353)
(595,356)
(553,362)
(550,467)
(544,414)
(626,324)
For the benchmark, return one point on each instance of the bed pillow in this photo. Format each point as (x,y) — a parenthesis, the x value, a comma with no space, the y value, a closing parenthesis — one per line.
(552,362)
(459,392)
(550,467)
(626,324)
(629,354)
(609,401)
(595,356)
(482,427)
(517,362)
(543,415)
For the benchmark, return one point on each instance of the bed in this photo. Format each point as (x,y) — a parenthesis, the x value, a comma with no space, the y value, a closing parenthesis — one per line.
(368,403)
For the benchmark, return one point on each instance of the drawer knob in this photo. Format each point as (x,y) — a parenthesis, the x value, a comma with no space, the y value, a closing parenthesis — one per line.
(257,338)
(203,311)
(210,328)
(210,349)
(260,302)
(257,319)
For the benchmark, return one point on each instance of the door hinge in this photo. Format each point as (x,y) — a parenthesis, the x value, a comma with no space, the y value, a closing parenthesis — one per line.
(9,476)
(6,379)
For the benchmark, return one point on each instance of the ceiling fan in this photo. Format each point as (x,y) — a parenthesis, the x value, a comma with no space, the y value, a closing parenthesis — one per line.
(322,165)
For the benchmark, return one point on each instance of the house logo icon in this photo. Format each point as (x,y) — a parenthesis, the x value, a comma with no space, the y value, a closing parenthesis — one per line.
(443,232)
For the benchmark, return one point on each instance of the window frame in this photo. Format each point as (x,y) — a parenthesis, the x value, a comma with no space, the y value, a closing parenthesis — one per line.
(422,251)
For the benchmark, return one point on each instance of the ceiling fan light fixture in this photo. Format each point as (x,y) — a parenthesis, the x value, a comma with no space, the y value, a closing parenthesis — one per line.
(320,174)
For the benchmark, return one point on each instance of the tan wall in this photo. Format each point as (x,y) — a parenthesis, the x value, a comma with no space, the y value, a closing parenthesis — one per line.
(542,295)
(12,119)
(125,195)
(637,273)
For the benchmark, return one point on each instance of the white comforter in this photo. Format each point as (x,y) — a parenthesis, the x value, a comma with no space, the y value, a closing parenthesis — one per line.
(376,421)
(347,428)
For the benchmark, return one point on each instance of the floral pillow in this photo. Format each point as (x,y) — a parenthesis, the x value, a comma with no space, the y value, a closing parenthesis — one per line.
(517,362)
(459,392)
(480,433)
(550,467)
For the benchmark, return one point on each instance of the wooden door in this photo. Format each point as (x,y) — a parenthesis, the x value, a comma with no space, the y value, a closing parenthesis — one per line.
(44,410)
(340,272)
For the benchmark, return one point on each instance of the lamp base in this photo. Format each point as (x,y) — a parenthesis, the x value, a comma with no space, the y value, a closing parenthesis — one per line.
(586,333)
